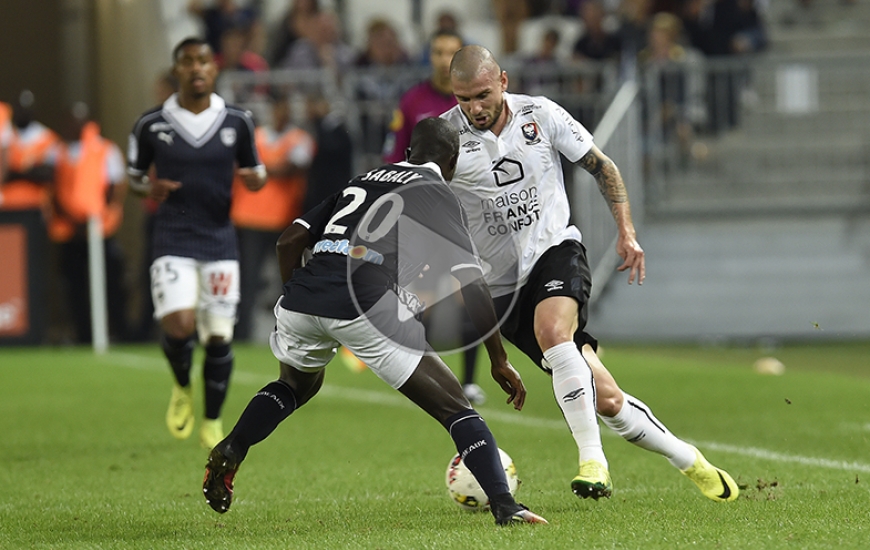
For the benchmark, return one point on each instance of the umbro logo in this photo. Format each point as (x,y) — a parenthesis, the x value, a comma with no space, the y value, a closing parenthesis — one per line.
(573,396)
(471,146)
(555,284)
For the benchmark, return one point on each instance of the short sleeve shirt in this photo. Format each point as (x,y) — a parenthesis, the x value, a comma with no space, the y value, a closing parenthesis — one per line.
(512,187)
(201,151)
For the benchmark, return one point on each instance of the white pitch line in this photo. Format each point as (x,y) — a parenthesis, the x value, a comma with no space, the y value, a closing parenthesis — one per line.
(522,419)
(764,454)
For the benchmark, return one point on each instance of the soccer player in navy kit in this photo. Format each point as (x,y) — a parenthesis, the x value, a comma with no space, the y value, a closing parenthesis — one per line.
(196,143)
(368,242)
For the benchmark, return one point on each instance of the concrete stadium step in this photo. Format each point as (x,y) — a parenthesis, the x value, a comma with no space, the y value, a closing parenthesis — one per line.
(743,279)
(851,115)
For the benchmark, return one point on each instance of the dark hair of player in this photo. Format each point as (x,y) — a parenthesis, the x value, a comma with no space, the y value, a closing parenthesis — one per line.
(433,140)
(189,41)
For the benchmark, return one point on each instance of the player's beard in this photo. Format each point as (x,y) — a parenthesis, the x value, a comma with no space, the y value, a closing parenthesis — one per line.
(493,119)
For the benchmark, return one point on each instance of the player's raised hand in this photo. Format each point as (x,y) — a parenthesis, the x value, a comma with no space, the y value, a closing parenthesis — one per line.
(511,382)
(254,178)
(160,188)
(632,258)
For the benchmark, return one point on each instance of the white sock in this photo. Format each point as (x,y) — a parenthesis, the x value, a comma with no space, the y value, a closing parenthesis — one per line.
(636,423)
(575,394)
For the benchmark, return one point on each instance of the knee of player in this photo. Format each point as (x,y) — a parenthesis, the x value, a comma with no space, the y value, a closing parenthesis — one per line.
(551,333)
(179,327)
(608,403)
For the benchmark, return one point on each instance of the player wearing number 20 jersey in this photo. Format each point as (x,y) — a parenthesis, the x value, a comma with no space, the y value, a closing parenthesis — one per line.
(367,242)
(375,237)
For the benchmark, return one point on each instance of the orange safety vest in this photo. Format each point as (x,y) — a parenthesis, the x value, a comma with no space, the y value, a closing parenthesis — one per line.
(81,188)
(22,194)
(279,202)
(5,122)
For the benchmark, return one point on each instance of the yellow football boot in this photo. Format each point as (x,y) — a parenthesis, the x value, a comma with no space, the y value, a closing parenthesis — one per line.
(592,481)
(714,483)
(179,416)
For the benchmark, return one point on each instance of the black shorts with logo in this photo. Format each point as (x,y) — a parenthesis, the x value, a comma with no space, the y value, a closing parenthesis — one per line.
(561,271)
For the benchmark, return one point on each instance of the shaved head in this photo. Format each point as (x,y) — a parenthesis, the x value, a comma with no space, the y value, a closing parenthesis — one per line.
(479,85)
(472,61)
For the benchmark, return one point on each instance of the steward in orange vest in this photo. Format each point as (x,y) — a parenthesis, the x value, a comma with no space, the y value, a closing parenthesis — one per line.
(260,217)
(5,138)
(30,160)
(90,181)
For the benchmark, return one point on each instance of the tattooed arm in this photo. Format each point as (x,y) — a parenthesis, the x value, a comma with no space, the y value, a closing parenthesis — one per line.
(612,187)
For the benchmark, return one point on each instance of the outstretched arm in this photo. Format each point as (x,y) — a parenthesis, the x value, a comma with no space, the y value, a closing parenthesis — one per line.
(612,187)
(478,302)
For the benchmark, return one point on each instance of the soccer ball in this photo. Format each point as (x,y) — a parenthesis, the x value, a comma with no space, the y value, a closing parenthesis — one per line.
(464,489)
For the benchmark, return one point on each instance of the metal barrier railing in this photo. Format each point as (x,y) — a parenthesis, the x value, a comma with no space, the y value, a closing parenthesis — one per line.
(367,98)
(785,132)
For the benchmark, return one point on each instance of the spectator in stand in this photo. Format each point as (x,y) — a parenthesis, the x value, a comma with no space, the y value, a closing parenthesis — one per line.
(510,14)
(235,55)
(547,54)
(260,217)
(323,47)
(663,51)
(379,85)
(31,158)
(90,181)
(383,48)
(719,28)
(225,14)
(542,73)
(332,165)
(297,23)
(634,16)
(596,43)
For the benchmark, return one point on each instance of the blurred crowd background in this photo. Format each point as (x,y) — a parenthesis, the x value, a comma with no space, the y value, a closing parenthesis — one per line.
(731,96)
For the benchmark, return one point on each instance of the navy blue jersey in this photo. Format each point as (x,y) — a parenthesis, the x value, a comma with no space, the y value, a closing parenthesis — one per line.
(375,237)
(201,151)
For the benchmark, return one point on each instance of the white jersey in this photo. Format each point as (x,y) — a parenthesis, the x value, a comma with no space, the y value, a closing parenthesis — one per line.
(512,187)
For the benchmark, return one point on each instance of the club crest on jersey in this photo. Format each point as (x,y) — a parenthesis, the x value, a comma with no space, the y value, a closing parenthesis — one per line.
(530,132)
(228,136)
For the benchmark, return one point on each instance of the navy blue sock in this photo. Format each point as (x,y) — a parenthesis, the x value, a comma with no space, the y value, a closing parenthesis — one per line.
(268,408)
(180,356)
(216,371)
(476,445)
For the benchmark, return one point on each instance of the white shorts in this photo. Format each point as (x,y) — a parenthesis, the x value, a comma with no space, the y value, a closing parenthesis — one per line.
(210,288)
(308,342)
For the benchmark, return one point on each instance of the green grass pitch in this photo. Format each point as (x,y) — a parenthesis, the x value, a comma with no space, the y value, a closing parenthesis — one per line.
(86,460)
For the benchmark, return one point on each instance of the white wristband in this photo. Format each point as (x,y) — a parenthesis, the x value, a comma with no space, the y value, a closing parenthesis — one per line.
(141,185)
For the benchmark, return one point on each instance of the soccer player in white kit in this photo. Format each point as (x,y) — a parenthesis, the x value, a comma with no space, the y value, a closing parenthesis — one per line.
(510,182)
